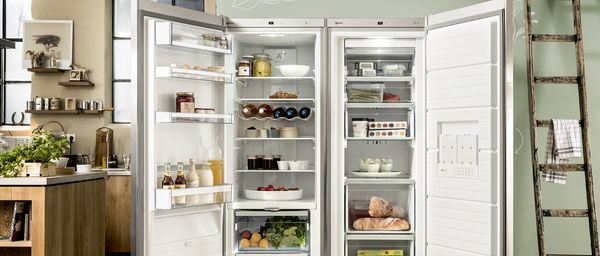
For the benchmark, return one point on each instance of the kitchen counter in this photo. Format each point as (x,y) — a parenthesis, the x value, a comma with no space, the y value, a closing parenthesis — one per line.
(114,171)
(52,180)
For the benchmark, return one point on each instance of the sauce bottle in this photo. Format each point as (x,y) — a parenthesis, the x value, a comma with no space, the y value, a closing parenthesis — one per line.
(180,183)
(167,182)
(193,181)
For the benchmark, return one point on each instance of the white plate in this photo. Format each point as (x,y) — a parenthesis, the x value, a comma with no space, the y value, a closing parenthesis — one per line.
(273,195)
(376,174)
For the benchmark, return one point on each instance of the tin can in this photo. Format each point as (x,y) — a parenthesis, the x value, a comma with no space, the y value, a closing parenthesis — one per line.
(46,105)
(30,105)
(39,103)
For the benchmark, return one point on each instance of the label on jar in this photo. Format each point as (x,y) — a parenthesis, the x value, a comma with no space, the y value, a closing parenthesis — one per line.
(168,187)
(244,71)
(187,107)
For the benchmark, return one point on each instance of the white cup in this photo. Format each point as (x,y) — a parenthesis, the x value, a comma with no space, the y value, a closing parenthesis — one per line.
(295,165)
(283,165)
(304,164)
(84,168)
(263,133)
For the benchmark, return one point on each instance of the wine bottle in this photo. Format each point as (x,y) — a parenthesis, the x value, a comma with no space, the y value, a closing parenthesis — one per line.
(291,113)
(304,112)
(278,112)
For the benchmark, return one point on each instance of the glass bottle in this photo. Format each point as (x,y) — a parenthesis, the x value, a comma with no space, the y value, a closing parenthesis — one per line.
(264,110)
(205,175)
(180,183)
(193,181)
(53,59)
(249,110)
(167,182)
(215,158)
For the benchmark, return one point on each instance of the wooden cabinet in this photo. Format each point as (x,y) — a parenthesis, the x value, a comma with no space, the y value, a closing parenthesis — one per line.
(118,214)
(66,219)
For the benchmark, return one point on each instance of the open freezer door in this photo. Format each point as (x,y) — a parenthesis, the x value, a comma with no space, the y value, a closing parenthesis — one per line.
(464,99)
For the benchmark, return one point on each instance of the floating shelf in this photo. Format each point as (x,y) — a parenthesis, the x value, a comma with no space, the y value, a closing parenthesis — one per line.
(46,70)
(176,117)
(267,100)
(277,139)
(274,171)
(170,72)
(165,197)
(379,78)
(400,105)
(198,48)
(6,243)
(77,84)
(56,112)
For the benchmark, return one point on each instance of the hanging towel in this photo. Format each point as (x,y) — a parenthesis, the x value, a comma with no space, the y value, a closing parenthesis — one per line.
(562,145)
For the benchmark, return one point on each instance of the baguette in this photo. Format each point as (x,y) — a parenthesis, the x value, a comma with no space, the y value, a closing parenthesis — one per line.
(380,208)
(389,224)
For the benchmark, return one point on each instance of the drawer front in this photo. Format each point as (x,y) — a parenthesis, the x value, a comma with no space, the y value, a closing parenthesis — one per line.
(380,245)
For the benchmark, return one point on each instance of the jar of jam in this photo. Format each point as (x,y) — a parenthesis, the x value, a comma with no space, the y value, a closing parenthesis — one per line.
(245,66)
(184,102)
(268,163)
(276,159)
(260,162)
(262,65)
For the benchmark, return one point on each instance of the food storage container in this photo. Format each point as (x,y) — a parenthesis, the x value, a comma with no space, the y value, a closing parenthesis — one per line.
(394,70)
(261,65)
(369,93)
(289,132)
(360,127)
(272,233)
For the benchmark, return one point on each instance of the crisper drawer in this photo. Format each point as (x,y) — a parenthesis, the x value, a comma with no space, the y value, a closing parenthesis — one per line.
(270,233)
(379,245)
(379,206)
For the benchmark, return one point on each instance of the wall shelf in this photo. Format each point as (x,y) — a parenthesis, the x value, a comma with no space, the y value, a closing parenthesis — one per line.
(46,70)
(70,112)
(76,84)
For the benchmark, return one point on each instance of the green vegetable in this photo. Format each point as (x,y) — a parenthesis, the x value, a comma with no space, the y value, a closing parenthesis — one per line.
(43,148)
(285,231)
(290,241)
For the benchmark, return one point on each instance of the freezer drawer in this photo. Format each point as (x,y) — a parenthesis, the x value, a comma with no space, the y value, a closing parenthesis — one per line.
(268,233)
(365,206)
(380,245)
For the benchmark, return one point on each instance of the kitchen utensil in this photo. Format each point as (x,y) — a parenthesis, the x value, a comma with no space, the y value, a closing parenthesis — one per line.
(274,195)
(283,165)
(84,168)
(293,70)
(364,174)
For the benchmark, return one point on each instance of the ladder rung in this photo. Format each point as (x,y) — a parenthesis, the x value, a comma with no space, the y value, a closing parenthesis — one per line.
(553,38)
(562,167)
(548,123)
(556,79)
(565,213)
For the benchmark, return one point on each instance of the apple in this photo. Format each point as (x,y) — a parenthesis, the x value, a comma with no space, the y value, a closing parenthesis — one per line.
(271,189)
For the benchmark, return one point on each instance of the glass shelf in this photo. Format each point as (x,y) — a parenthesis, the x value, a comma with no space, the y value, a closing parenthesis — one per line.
(181,73)
(275,171)
(379,139)
(165,198)
(277,139)
(406,105)
(267,100)
(176,117)
(273,80)
(379,78)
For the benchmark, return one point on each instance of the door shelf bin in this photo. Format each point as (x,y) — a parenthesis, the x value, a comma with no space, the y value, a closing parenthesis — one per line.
(166,198)
(375,245)
(177,117)
(397,192)
(190,38)
(171,72)
(279,232)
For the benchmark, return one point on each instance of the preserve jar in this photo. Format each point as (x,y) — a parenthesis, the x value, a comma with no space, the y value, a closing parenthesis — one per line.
(182,98)
(262,65)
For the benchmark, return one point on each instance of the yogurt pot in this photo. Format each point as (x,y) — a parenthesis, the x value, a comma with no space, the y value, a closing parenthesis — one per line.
(360,127)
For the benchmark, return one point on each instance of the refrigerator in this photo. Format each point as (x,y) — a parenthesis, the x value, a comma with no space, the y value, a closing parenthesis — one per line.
(420,123)
(436,91)
(191,105)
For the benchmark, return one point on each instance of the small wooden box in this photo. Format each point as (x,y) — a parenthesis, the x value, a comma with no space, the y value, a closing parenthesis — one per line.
(70,104)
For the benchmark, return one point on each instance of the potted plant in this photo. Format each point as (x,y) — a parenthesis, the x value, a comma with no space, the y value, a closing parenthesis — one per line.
(34,158)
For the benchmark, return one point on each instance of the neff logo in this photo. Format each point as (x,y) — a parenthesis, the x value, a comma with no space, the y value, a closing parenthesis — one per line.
(339,23)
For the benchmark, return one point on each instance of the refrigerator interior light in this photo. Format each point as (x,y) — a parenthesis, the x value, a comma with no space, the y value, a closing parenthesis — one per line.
(272,35)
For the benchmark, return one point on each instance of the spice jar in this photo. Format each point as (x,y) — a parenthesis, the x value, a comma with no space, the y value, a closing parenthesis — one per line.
(262,65)
(184,102)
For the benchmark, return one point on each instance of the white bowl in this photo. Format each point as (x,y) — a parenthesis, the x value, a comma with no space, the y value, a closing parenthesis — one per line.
(273,195)
(293,70)
(295,165)
(84,168)
(304,164)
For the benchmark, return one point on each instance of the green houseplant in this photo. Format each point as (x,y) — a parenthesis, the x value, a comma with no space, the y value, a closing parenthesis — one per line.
(44,148)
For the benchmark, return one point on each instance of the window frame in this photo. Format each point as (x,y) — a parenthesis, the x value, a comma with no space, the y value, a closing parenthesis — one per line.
(3,80)
(113,79)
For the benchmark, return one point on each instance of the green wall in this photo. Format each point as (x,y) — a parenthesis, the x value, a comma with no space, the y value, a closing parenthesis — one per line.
(336,8)
(565,236)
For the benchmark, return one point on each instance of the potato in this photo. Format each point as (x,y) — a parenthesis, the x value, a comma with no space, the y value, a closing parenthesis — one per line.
(244,243)
(253,244)
(263,243)
(255,237)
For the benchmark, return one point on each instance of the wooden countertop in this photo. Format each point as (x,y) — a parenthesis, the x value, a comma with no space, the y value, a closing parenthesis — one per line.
(52,180)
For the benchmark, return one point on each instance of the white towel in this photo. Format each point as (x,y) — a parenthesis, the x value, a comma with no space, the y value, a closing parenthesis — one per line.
(562,145)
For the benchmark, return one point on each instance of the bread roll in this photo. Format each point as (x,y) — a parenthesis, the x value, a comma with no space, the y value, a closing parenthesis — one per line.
(379,224)
(380,208)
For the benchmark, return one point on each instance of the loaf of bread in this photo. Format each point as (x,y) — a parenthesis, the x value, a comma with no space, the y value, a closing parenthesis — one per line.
(381,224)
(380,208)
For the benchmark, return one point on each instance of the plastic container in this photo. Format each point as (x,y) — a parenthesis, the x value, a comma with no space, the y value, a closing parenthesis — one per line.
(368,93)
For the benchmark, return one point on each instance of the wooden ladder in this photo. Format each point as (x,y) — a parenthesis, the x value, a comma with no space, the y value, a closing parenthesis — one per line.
(586,167)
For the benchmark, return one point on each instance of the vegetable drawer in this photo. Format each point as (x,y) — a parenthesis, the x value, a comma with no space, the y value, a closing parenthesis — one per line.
(265,233)
(382,245)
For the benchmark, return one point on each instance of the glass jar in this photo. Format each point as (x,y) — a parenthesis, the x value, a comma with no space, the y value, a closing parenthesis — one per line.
(245,66)
(185,99)
(262,65)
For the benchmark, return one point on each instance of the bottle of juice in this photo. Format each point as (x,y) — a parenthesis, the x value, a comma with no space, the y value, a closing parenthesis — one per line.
(215,158)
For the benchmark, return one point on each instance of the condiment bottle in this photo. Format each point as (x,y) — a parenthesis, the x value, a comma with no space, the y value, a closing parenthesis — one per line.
(205,178)
(167,182)
(53,59)
(249,110)
(180,183)
(193,181)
